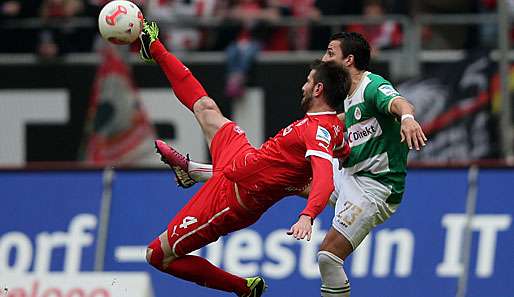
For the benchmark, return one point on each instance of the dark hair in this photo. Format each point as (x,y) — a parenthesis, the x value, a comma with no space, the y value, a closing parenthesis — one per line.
(336,81)
(355,44)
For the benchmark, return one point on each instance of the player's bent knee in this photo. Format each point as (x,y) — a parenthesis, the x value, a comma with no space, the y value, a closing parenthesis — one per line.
(157,256)
(205,104)
(154,254)
(334,282)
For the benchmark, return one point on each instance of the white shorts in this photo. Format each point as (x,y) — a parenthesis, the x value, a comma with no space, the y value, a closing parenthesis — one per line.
(359,204)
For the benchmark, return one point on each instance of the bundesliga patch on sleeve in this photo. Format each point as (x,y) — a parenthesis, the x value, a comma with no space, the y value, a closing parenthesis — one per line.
(323,135)
(388,90)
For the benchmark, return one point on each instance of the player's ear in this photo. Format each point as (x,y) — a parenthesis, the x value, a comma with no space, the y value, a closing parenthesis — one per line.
(318,89)
(348,60)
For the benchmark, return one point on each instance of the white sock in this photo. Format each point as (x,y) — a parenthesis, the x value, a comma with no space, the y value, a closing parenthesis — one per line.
(334,282)
(200,172)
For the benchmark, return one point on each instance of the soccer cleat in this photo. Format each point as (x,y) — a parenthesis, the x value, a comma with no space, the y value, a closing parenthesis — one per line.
(149,34)
(257,286)
(177,162)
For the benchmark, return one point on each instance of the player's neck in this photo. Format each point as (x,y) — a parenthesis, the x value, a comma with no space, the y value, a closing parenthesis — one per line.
(319,106)
(357,76)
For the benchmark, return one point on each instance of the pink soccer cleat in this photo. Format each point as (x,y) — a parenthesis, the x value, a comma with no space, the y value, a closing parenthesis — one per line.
(177,162)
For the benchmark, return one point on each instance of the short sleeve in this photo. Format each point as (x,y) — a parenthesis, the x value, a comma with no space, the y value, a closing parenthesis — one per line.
(318,141)
(383,97)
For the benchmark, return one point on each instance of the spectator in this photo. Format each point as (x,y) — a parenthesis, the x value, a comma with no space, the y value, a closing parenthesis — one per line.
(445,36)
(180,36)
(252,17)
(19,40)
(297,37)
(380,36)
(11,8)
(320,34)
(59,36)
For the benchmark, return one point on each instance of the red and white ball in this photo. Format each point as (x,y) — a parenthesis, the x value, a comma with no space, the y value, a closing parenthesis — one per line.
(120,22)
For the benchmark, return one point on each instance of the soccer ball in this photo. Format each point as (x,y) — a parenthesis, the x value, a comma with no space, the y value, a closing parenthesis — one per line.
(120,22)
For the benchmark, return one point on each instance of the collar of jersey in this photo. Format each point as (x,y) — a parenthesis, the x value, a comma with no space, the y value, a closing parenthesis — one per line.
(321,113)
(364,74)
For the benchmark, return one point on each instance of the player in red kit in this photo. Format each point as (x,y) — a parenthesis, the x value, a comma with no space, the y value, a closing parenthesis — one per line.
(247,180)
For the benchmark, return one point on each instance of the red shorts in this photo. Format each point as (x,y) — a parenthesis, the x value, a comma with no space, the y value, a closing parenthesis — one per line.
(227,144)
(211,212)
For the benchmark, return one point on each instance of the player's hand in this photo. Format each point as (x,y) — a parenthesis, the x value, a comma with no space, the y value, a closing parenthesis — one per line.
(413,134)
(302,228)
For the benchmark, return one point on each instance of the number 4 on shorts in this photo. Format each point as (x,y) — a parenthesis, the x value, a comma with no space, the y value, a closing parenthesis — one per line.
(188,221)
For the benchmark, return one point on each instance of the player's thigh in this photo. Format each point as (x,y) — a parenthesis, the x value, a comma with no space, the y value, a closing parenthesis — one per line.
(209,117)
(357,211)
(205,218)
(229,143)
(337,179)
(194,225)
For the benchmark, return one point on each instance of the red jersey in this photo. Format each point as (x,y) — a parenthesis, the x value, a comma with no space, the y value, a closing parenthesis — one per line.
(287,163)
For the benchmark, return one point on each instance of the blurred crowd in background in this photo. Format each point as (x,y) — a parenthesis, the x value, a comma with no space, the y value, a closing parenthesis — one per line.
(241,21)
(243,28)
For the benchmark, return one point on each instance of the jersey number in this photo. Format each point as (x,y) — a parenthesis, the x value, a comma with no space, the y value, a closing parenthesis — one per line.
(349,213)
(188,221)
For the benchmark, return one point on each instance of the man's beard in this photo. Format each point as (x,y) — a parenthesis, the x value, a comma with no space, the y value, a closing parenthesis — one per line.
(306,102)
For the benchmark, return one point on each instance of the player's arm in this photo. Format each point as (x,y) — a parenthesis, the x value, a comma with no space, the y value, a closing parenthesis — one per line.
(305,194)
(319,143)
(321,188)
(389,101)
(410,129)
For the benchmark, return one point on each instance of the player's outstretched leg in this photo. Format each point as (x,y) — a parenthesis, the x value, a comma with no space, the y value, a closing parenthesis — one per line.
(186,87)
(198,270)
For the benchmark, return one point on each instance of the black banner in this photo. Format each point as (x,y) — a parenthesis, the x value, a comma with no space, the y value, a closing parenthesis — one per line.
(453,104)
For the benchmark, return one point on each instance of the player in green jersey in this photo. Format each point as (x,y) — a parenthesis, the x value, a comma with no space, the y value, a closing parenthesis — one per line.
(369,184)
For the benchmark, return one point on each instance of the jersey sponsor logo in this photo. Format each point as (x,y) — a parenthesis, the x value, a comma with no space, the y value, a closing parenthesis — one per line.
(296,189)
(388,90)
(323,135)
(363,131)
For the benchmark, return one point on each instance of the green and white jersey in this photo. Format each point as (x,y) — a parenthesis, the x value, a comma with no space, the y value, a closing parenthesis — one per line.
(374,135)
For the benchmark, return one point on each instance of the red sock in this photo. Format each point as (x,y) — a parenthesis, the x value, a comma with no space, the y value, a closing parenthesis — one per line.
(202,272)
(187,89)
